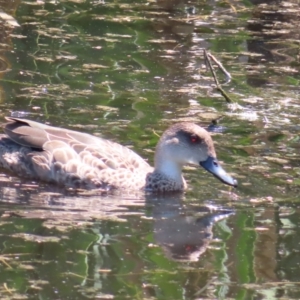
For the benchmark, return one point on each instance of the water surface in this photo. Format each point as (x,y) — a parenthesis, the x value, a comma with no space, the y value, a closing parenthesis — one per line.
(126,70)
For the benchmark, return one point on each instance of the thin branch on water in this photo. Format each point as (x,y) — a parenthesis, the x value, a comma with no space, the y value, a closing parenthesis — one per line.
(208,58)
(2,259)
(7,289)
(222,68)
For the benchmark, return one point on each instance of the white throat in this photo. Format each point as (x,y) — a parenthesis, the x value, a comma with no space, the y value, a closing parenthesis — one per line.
(170,169)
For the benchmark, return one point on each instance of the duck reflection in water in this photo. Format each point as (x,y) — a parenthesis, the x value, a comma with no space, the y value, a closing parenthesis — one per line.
(184,234)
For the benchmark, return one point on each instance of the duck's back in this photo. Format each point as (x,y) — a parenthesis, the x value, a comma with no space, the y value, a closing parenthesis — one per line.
(69,158)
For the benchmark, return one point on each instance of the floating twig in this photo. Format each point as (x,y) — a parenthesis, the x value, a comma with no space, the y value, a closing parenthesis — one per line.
(226,73)
(219,88)
(2,259)
(6,288)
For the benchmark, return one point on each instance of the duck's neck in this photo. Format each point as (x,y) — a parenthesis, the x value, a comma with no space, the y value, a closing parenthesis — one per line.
(169,169)
(166,176)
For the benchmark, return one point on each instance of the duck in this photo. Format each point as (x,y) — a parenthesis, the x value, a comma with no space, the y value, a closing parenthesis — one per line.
(79,160)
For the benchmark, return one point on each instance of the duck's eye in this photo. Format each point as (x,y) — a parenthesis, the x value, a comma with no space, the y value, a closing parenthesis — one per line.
(194,139)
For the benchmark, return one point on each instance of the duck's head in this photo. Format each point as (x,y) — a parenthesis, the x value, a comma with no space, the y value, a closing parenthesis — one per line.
(188,143)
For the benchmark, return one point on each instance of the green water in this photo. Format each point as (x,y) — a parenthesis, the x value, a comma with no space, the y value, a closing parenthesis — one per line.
(126,71)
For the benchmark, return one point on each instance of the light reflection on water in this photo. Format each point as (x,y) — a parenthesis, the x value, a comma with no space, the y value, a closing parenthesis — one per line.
(125,71)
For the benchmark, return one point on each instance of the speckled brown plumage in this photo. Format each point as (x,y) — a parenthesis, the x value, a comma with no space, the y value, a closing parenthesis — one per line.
(80,160)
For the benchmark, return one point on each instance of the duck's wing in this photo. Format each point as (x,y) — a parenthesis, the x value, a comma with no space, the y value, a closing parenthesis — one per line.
(57,154)
(35,135)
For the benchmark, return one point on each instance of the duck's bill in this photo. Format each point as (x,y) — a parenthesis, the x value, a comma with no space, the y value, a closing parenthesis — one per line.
(212,165)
